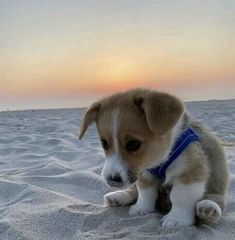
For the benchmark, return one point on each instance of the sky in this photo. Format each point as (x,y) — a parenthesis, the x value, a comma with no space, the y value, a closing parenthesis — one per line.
(57,54)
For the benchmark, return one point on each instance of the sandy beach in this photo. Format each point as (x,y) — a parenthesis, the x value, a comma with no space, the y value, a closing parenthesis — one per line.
(51,186)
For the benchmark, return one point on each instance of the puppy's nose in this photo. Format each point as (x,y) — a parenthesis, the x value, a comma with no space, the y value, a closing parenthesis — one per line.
(114,180)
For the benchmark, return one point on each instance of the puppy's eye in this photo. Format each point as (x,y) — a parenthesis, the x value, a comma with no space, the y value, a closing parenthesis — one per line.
(105,144)
(133,145)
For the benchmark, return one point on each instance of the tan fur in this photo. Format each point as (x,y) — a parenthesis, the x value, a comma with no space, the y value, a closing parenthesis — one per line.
(161,109)
(89,117)
(196,169)
(132,191)
(150,117)
(219,173)
(143,182)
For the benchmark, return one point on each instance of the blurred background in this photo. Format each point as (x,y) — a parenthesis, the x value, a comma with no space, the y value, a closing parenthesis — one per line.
(65,54)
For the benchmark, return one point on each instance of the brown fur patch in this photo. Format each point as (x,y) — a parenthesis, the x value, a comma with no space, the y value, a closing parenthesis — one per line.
(89,117)
(162,110)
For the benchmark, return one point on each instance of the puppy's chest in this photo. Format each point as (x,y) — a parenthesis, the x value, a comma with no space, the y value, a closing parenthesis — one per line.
(175,169)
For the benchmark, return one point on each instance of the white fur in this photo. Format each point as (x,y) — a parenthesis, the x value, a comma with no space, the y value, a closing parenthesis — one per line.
(146,201)
(176,131)
(183,198)
(118,198)
(208,209)
(114,165)
(115,125)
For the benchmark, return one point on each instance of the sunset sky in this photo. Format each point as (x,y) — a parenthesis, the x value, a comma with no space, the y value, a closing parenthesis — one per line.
(68,53)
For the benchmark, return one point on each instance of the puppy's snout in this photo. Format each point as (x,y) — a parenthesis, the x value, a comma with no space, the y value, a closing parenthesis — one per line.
(115,180)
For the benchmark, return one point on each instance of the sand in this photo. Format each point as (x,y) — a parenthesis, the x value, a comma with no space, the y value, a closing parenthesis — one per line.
(51,186)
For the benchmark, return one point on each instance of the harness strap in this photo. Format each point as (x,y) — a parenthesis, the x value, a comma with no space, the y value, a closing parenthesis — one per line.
(187,137)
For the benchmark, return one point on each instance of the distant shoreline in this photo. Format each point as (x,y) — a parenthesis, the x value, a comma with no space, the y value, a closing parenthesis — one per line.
(68,108)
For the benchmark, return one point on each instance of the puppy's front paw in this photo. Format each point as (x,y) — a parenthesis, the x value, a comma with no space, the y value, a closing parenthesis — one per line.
(136,210)
(118,198)
(208,210)
(176,220)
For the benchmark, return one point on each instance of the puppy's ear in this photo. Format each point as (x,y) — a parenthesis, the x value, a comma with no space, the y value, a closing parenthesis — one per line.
(90,116)
(162,111)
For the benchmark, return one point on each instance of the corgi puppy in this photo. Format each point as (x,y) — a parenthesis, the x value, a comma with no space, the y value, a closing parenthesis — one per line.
(139,130)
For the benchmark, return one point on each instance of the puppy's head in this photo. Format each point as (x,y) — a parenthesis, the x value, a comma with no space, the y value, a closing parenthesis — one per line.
(135,131)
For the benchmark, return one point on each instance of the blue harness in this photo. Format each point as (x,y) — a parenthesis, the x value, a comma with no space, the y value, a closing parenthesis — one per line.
(187,137)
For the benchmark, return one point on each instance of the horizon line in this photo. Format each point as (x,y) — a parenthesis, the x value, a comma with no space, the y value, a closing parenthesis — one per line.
(84,107)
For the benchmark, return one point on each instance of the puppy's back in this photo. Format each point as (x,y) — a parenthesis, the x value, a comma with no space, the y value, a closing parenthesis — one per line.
(219,173)
(218,181)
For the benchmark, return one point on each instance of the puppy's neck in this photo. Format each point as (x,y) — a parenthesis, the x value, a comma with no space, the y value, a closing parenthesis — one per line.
(180,126)
(177,130)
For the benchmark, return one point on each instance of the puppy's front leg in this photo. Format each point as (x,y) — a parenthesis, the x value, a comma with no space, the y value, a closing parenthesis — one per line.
(183,198)
(146,201)
(121,197)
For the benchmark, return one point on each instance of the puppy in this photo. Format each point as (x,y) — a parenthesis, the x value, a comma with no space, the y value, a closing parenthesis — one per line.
(141,131)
